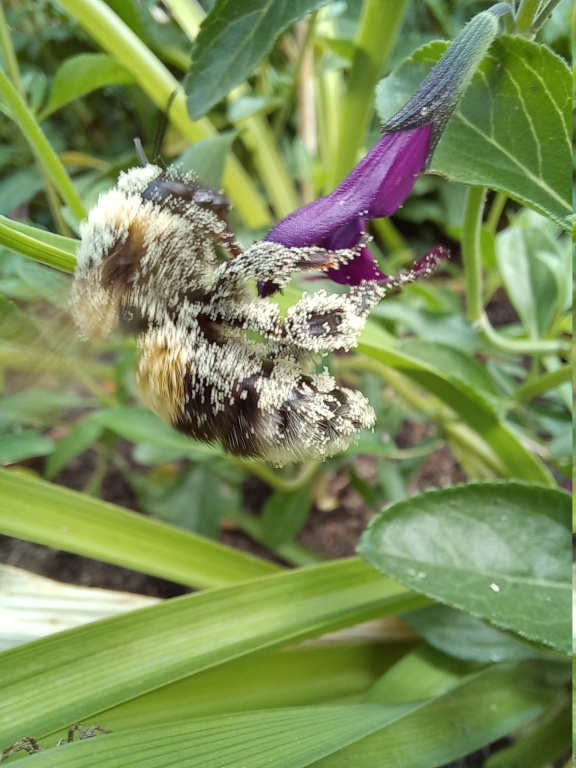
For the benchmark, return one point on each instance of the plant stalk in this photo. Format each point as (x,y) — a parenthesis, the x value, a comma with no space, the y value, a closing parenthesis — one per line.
(380,25)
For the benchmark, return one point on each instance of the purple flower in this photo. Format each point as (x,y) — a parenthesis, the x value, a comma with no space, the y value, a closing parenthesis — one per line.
(377,187)
(382,181)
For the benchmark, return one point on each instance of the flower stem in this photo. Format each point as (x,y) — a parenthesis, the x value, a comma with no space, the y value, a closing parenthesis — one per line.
(495,213)
(526,14)
(472,253)
(544,14)
(472,257)
(266,473)
(543,383)
(379,28)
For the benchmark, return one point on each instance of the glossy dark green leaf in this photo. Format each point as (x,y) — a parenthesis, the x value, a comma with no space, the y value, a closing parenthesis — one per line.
(232,40)
(83,74)
(510,131)
(500,551)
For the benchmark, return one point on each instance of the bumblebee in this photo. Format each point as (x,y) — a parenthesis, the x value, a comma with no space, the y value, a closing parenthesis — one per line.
(216,361)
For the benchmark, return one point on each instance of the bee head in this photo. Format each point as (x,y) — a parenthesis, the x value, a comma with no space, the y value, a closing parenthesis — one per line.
(146,238)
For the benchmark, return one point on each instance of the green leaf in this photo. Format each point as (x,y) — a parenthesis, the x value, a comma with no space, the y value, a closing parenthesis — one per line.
(466,637)
(291,738)
(284,514)
(207,158)
(140,425)
(85,670)
(534,269)
(83,74)
(304,674)
(82,435)
(196,499)
(232,40)
(420,674)
(447,358)
(500,551)
(23,445)
(483,708)
(546,743)
(34,510)
(19,187)
(36,406)
(473,407)
(510,131)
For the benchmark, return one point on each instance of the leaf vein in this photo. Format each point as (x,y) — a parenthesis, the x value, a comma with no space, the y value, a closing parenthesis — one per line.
(539,182)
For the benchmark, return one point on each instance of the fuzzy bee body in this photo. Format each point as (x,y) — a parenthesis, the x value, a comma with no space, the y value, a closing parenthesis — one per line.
(148,264)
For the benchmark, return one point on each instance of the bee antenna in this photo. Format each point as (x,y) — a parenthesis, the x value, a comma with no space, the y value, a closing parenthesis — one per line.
(140,152)
(163,127)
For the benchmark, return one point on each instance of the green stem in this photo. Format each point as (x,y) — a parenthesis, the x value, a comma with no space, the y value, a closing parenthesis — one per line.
(495,213)
(379,28)
(155,79)
(8,54)
(283,114)
(266,473)
(472,258)
(329,87)
(544,14)
(472,253)
(543,383)
(520,346)
(525,16)
(259,138)
(40,146)
(390,236)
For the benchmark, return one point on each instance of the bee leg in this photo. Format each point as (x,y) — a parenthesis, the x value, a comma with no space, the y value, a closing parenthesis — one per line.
(321,322)
(274,263)
(312,418)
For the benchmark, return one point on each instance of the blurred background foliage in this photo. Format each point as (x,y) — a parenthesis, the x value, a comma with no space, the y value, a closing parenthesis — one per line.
(78,399)
(469,375)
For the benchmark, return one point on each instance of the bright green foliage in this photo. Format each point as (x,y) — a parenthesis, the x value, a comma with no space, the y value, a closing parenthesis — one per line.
(472,364)
(518,571)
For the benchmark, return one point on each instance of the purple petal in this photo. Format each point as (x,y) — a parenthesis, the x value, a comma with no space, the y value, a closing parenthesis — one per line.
(363,266)
(375,188)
